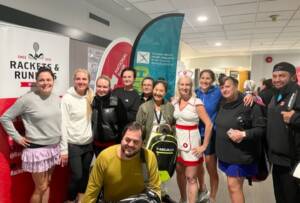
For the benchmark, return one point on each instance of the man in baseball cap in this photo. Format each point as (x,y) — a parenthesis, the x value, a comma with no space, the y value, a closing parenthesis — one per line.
(283,132)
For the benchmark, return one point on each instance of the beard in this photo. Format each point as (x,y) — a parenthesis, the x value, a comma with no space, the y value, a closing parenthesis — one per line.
(129,153)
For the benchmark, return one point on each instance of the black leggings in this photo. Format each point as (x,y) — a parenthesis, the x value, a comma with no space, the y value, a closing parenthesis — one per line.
(80,157)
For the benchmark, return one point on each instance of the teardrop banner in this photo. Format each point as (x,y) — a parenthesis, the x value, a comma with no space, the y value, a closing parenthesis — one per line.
(155,50)
(115,58)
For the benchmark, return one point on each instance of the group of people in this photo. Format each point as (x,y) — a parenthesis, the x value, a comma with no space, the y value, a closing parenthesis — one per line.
(214,124)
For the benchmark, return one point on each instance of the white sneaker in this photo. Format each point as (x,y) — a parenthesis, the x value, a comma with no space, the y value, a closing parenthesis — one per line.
(203,196)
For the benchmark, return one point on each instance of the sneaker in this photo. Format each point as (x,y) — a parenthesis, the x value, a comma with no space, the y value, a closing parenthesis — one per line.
(203,196)
(167,199)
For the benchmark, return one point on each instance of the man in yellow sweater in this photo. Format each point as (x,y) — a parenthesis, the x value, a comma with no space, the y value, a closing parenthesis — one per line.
(118,169)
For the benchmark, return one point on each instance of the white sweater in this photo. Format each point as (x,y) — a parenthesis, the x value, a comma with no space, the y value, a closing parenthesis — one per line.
(76,126)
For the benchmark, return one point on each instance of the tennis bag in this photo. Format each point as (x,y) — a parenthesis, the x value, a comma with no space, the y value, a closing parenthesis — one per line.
(164,145)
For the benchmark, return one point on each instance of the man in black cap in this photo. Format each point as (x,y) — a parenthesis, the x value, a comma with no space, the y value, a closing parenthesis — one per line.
(283,132)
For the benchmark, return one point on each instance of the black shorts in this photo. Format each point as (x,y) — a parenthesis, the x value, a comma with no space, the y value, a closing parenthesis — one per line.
(211,148)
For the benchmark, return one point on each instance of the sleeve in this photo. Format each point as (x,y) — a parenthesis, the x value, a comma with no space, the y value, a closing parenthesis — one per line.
(154,180)
(140,116)
(64,126)
(122,116)
(134,108)
(95,182)
(198,102)
(258,124)
(7,118)
(295,119)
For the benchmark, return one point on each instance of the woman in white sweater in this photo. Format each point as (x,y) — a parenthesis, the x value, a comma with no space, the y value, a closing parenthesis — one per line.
(76,126)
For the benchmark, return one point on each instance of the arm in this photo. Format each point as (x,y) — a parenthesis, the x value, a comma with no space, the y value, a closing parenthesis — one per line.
(134,108)
(95,182)
(207,132)
(122,116)
(7,118)
(154,180)
(64,133)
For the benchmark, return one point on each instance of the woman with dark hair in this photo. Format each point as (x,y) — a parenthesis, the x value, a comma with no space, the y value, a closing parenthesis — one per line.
(128,95)
(239,130)
(210,96)
(153,113)
(109,116)
(44,146)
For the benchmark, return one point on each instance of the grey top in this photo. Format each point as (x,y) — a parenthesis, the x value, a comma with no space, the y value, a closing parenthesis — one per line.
(41,117)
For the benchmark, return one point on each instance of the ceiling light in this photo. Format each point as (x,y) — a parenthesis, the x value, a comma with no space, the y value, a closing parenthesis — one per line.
(202,18)
(218,44)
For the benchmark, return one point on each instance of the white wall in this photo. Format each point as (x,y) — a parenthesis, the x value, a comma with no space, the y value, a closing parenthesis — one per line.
(218,62)
(261,69)
(75,13)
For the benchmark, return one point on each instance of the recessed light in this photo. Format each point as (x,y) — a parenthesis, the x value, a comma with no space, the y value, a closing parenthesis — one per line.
(202,18)
(218,44)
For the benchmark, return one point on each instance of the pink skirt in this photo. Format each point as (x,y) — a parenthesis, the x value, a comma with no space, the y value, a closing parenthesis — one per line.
(37,160)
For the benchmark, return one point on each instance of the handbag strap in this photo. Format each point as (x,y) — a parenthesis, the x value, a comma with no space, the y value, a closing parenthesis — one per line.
(144,167)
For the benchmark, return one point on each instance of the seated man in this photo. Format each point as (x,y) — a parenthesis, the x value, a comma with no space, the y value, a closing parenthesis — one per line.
(118,169)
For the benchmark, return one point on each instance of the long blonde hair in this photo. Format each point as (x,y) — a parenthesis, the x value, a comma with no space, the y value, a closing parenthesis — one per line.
(192,92)
(89,92)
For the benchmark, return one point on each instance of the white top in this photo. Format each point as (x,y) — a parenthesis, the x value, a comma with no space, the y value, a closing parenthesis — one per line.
(76,125)
(188,115)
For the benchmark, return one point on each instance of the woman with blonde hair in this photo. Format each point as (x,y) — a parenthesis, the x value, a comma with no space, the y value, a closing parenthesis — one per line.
(188,111)
(109,116)
(76,126)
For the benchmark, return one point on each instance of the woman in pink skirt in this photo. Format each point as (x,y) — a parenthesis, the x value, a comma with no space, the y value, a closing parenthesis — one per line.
(44,145)
(188,111)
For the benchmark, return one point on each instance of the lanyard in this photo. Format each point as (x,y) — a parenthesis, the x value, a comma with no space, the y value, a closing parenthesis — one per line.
(158,119)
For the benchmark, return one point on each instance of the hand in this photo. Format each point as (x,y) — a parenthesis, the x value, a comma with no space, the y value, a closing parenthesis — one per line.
(63,160)
(248,100)
(236,135)
(287,115)
(197,151)
(23,141)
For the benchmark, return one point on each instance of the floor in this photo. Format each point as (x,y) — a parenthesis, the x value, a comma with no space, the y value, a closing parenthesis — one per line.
(259,192)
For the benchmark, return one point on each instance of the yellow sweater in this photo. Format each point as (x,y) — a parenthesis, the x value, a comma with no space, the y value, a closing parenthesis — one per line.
(120,178)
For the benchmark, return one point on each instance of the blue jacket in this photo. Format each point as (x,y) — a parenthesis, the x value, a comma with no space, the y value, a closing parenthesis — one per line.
(211,100)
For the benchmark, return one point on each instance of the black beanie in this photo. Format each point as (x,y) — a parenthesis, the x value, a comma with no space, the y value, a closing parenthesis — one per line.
(284,66)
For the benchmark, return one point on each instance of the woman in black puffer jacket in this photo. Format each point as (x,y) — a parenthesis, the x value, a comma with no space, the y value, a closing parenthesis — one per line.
(108,116)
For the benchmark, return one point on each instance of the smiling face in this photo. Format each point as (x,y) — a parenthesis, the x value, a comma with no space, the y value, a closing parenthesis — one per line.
(159,92)
(280,79)
(44,83)
(81,82)
(128,78)
(185,87)
(205,81)
(102,87)
(131,143)
(229,90)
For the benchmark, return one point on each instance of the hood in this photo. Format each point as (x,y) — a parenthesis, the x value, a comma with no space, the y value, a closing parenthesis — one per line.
(71,91)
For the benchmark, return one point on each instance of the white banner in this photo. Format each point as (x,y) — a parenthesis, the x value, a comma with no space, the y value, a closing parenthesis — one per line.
(23,51)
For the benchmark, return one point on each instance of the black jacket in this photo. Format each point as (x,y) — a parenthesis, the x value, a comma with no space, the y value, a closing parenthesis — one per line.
(284,140)
(108,118)
(236,116)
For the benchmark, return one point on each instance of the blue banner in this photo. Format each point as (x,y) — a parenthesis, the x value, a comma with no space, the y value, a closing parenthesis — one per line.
(155,50)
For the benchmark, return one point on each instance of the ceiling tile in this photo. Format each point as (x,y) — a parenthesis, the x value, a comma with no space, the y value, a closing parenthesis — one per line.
(294,23)
(191,16)
(297,15)
(238,19)
(292,29)
(282,15)
(279,5)
(237,9)
(268,30)
(187,30)
(239,32)
(156,6)
(191,4)
(191,35)
(239,26)
(239,37)
(281,23)
(229,2)
(211,28)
